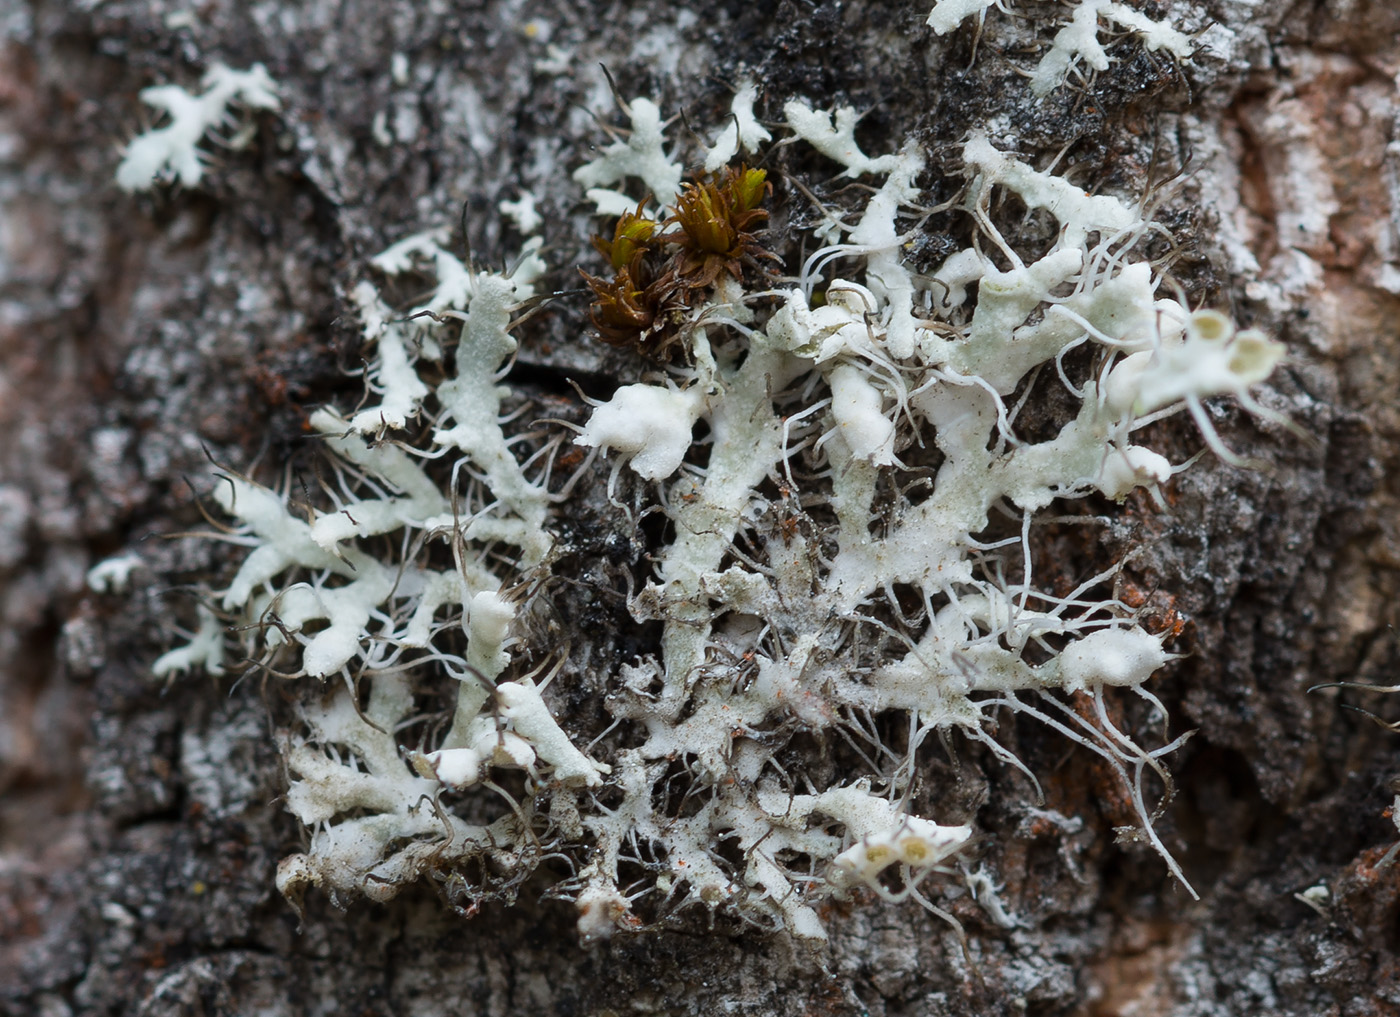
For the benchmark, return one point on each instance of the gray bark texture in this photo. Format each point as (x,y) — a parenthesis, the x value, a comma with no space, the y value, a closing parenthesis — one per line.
(140,823)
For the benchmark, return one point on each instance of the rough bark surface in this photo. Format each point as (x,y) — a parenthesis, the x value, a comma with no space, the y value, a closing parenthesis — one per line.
(140,825)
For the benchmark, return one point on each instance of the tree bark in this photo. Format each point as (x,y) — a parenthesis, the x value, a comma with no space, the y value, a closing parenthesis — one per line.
(141,336)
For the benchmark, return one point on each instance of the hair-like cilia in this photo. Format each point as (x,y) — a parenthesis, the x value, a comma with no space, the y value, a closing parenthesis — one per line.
(851,541)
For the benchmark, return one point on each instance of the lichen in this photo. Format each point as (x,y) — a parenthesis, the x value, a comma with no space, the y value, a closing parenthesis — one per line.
(851,541)
(171,152)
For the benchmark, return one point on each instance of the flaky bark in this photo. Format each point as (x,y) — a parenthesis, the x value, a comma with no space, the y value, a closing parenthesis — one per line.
(141,824)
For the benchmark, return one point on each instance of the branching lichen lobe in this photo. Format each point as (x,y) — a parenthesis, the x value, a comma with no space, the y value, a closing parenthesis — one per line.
(805,582)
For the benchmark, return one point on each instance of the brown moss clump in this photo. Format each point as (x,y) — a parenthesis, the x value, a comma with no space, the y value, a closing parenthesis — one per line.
(663,269)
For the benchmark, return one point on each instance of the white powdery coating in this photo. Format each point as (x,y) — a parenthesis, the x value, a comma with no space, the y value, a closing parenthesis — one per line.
(609,202)
(1075,208)
(472,407)
(527,217)
(949,14)
(885,273)
(647,424)
(172,151)
(400,256)
(742,130)
(454,279)
(857,406)
(394,374)
(833,134)
(205,650)
(1079,40)
(112,574)
(1155,35)
(525,710)
(489,616)
(1111,657)
(418,497)
(642,155)
(1129,468)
